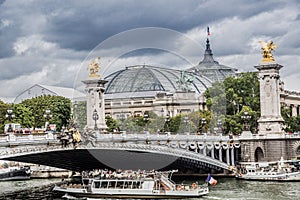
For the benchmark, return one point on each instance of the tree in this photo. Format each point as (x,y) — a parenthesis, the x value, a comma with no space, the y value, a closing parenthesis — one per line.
(3,112)
(79,113)
(111,123)
(60,108)
(228,99)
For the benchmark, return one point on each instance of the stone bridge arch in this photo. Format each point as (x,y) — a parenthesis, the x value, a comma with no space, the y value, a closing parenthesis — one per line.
(89,157)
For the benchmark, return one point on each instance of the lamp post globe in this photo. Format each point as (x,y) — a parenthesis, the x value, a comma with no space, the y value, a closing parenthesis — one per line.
(47,116)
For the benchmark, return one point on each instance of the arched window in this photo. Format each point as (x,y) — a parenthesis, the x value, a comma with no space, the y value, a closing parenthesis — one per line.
(259,154)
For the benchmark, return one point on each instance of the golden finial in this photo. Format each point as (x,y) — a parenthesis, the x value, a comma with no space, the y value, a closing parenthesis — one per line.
(267,49)
(94,68)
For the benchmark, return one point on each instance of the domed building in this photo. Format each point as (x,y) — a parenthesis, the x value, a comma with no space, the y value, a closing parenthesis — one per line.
(136,89)
(212,69)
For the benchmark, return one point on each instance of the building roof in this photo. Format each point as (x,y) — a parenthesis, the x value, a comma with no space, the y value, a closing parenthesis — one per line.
(39,90)
(69,93)
(146,78)
(212,69)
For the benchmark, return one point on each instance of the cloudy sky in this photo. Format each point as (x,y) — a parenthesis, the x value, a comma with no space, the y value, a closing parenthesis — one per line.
(51,42)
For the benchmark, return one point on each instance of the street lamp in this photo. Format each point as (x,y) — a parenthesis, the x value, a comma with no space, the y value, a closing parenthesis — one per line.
(219,124)
(203,122)
(246,117)
(122,118)
(9,115)
(47,116)
(167,120)
(146,119)
(95,118)
(187,124)
(75,114)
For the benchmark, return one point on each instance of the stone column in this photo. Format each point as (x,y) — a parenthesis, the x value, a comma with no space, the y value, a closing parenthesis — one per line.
(220,154)
(294,110)
(95,102)
(227,156)
(270,120)
(232,156)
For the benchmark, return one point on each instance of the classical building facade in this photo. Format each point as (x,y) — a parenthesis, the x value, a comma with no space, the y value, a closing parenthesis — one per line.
(137,89)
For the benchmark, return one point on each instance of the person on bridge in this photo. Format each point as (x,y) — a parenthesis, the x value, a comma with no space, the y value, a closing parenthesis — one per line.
(76,137)
(64,137)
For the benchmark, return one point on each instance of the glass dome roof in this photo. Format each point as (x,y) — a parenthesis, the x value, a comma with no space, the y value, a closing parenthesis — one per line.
(143,78)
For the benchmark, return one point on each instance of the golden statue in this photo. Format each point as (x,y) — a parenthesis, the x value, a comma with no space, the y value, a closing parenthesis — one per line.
(94,68)
(267,49)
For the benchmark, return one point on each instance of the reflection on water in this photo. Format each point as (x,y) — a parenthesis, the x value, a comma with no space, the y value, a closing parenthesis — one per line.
(226,189)
(249,190)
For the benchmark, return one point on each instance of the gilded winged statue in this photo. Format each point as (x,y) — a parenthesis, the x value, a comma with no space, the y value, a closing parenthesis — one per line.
(267,49)
(94,68)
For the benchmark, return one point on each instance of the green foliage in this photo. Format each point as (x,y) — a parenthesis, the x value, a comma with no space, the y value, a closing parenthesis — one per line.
(79,113)
(60,108)
(231,98)
(3,110)
(111,123)
(23,115)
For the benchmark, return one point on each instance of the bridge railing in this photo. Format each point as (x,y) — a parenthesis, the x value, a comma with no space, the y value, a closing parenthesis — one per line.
(25,139)
(160,137)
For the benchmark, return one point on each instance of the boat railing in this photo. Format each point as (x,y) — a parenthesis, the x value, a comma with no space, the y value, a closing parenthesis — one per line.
(169,183)
(189,187)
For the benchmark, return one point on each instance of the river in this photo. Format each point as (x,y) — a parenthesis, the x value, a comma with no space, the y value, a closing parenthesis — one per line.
(226,189)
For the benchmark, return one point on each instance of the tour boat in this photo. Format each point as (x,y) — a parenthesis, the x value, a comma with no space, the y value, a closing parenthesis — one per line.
(142,185)
(15,173)
(283,170)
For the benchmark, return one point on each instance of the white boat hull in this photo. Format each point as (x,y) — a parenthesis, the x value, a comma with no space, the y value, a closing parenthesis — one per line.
(294,176)
(135,194)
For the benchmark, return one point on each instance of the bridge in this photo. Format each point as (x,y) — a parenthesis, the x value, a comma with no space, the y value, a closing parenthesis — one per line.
(197,153)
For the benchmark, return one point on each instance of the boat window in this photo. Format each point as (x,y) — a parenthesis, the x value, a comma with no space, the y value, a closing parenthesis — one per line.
(85,181)
(97,184)
(134,185)
(104,184)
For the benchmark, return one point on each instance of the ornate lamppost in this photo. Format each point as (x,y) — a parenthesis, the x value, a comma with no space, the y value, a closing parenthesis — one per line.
(95,118)
(47,116)
(122,118)
(203,122)
(75,114)
(219,124)
(167,120)
(246,117)
(187,124)
(146,119)
(10,116)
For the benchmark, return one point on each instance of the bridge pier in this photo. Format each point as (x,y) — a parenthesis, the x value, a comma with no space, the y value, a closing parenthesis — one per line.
(266,148)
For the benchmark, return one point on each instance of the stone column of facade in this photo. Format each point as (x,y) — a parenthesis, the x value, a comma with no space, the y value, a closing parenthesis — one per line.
(294,110)
(95,102)
(270,120)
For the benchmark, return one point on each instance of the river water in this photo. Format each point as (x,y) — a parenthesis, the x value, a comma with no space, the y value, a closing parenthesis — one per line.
(226,189)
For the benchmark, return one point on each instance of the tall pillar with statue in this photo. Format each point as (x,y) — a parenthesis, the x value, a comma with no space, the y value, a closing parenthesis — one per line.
(95,98)
(270,120)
